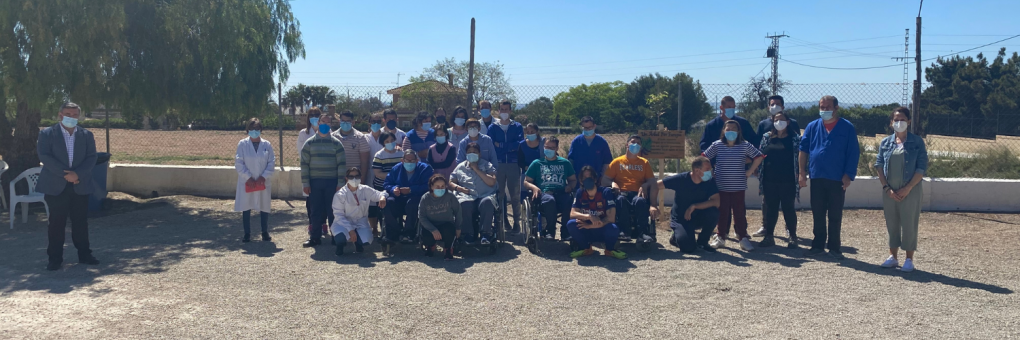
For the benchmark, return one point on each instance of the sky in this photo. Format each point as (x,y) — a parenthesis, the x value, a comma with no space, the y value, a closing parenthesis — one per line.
(552,42)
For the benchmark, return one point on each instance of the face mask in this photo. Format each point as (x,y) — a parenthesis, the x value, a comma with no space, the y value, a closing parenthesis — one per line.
(774,109)
(376,127)
(313,121)
(426,126)
(826,115)
(391,124)
(472,157)
(390,146)
(410,166)
(324,129)
(69,122)
(473,132)
(588,183)
(900,126)
(354,182)
(531,137)
(346,126)
(459,121)
(439,192)
(707,176)
(549,153)
(485,113)
(440,139)
(730,112)
(589,133)
(504,115)
(781,125)
(731,135)
(634,148)
(254,134)
(441,119)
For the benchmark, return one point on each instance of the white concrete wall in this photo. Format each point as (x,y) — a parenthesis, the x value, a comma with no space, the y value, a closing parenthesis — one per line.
(945,194)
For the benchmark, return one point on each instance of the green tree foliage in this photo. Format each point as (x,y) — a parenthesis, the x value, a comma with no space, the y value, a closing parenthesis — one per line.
(972,97)
(538,111)
(491,83)
(695,103)
(605,102)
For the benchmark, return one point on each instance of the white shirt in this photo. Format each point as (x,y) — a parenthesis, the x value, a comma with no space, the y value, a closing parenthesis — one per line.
(69,143)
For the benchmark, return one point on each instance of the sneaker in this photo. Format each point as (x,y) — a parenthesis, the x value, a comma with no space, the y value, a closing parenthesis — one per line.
(568,238)
(745,244)
(448,254)
(708,248)
(792,245)
(672,242)
(908,265)
(549,237)
(814,252)
(485,241)
(717,242)
(890,262)
(623,237)
(759,233)
(616,254)
(311,243)
(645,238)
(836,254)
(768,241)
(582,252)
(406,240)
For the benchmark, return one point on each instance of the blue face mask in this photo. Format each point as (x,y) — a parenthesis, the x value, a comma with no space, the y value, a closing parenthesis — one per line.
(459,121)
(634,148)
(376,127)
(707,176)
(472,157)
(440,139)
(426,126)
(549,153)
(588,133)
(826,115)
(439,192)
(390,146)
(731,135)
(324,129)
(314,121)
(730,113)
(485,113)
(345,126)
(410,166)
(69,122)
(588,183)
(531,137)
(254,133)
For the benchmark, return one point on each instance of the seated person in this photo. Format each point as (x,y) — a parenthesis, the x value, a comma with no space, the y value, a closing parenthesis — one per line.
(695,205)
(350,212)
(631,176)
(551,180)
(474,183)
(592,218)
(439,214)
(405,184)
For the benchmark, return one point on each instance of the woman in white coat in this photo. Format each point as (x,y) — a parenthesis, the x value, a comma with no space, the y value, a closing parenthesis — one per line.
(254,164)
(350,212)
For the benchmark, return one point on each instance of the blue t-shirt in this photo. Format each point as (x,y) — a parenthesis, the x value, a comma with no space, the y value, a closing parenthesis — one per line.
(597,154)
(596,205)
(686,193)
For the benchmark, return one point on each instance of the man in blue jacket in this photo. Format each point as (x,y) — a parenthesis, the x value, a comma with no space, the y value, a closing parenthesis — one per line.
(68,154)
(727,111)
(506,136)
(405,184)
(829,151)
(589,148)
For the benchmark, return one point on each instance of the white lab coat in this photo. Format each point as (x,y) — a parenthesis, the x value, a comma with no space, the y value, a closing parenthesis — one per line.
(350,214)
(250,163)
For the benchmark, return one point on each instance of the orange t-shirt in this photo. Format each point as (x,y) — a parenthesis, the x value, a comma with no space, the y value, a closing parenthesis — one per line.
(629,175)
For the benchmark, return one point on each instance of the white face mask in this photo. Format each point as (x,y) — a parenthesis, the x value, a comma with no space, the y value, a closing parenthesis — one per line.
(900,126)
(354,183)
(774,109)
(473,132)
(781,125)
(504,115)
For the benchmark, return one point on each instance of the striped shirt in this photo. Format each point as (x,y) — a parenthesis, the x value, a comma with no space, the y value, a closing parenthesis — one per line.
(354,144)
(69,144)
(384,162)
(729,171)
(323,158)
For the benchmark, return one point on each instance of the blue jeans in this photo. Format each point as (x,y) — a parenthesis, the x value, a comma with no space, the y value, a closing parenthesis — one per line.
(486,209)
(706,219)
(246,221)
(396,208)
(632,214)
(321,200)
(583,238)
(552,204)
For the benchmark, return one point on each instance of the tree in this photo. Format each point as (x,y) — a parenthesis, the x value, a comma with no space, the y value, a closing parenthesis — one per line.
(695,103)
(490,82)
(970,97)
(538,111)
(604,102)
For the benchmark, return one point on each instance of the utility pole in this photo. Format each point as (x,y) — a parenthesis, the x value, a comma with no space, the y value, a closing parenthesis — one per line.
(917,82)
(773,52)
(471,70)
(279,105)
(398,78)
(904,59)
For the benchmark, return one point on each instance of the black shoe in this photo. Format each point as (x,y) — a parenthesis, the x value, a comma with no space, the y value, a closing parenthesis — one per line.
(359,247)
(53,266)
(340,249)
(708,248)
(311,243)
(406,240)
(266,238)
(792,245)
(814,252)
(91,260)
(672,242)
(246,238)
(430,250)
(768,241)
(836,254)
(448,254)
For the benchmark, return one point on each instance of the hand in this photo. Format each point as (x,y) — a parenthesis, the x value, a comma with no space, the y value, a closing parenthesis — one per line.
(70,176)
(846,182)
(654,212)
(375,232)
(616,191)
(749,173)
(382,203)
(396,192)
(437,236)
(892,194)
(596,223)
(803,180)
(535,194)
(308,190)
(755,173)
(687,215)
(641,192)
(903,192)
(405,190)
(261,180)
(352,237)
(249,182)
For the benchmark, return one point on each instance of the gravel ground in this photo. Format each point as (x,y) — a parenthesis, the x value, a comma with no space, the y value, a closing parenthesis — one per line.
(174,267)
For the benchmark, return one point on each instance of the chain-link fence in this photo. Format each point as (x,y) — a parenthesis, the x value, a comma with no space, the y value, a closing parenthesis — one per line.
(985,144)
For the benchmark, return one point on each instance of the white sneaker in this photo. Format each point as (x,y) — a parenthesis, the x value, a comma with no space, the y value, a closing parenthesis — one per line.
(890,262)
(908,265)
(745,244)
(646,238)
(717,242)
(759,233)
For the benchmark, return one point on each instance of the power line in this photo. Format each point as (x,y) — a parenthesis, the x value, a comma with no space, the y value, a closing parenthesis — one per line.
(893,65)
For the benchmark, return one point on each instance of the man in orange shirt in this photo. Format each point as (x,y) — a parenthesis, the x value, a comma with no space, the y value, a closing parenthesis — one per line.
(632,178)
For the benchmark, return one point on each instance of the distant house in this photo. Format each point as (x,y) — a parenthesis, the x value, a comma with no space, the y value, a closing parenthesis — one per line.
(427,95)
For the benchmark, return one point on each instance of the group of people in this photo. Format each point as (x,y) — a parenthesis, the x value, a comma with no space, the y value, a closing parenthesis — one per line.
(449,175)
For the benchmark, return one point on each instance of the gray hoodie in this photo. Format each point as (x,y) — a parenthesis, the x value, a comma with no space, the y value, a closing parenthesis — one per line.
(439,210)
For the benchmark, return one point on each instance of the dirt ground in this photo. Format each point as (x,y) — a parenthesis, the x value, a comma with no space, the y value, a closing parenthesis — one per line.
(174,267)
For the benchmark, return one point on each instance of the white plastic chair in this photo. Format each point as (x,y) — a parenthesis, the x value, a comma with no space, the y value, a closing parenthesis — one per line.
(3,198)
(32,177)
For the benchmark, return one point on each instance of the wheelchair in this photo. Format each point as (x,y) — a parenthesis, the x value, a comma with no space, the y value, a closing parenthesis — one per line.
(531,224)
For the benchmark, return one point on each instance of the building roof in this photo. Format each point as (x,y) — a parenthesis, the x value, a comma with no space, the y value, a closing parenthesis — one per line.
(430,85)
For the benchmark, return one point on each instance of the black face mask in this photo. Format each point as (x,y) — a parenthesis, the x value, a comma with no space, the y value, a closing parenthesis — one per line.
(441,119)
(588,183)
(391,124)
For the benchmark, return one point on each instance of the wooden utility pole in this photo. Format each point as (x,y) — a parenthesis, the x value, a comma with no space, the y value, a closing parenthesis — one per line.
(471,69)
(279,106)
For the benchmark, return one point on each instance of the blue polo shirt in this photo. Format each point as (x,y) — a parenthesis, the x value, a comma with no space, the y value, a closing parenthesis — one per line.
(597,154)
(831,154)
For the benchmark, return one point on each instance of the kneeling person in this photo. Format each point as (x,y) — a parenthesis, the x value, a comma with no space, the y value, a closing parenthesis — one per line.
(350,212)
(439,214)
(695,205)
(592,218)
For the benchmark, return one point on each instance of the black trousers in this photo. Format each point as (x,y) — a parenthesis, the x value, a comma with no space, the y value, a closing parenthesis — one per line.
(706,219)
(68,204)
(446,230)
(827,198)
(780,195)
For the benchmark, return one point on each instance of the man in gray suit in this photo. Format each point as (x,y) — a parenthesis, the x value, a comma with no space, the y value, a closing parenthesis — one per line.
(68,154)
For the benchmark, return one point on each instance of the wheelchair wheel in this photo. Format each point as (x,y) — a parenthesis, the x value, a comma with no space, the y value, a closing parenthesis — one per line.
(649,245)
(526,226)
